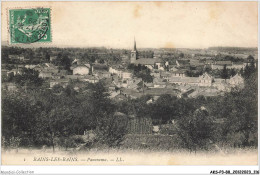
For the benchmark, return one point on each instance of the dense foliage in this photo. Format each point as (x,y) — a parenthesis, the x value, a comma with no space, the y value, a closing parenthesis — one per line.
(36,118)
(39,117)
(141,71)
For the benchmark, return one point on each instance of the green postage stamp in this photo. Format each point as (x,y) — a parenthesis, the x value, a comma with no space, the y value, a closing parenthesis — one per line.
(30,25)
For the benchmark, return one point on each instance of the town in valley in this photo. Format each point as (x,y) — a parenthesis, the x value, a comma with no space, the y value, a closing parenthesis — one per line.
(140,98)
(180,72)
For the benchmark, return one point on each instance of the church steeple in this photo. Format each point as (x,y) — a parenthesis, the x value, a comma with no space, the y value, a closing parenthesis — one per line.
(134,53)
(134,45)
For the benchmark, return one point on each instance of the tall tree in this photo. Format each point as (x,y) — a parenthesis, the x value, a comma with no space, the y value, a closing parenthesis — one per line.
(29,78)
(224,73)
(63,61)
(232,72)
(195,130)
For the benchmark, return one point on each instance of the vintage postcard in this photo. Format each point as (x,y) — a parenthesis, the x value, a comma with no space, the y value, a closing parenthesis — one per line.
(129,83)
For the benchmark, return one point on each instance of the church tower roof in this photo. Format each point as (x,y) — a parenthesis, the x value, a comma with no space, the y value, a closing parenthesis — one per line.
(134,45)
(134,54)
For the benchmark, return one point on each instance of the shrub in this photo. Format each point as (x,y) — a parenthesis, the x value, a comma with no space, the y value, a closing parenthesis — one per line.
(195,130)
(111,130)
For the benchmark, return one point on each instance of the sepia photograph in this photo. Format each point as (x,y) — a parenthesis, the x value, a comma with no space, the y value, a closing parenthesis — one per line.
(129,83)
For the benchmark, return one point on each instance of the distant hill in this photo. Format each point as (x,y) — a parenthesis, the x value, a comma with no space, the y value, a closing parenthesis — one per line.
(33,45)
(44,45)
(233,49)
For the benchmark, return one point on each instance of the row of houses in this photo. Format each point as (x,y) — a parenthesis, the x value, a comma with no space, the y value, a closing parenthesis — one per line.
(17,57)
(120,72)
(215,65)
(99,70)
(204,85)
(158,64)
(163,79)
(206,80)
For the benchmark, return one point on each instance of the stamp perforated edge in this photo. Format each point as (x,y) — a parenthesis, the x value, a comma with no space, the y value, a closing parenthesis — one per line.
(8,26)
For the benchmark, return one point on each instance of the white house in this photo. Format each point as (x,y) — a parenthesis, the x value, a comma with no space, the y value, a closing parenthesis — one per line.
(90,79)
(238,66)
(205,80)
(113,70)
(220,65)
(30,66)
(81,70)
(45,74)
(178,73)
(126,75)
(236,80)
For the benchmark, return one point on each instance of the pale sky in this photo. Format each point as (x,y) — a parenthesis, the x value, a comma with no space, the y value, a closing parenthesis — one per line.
(153,24)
